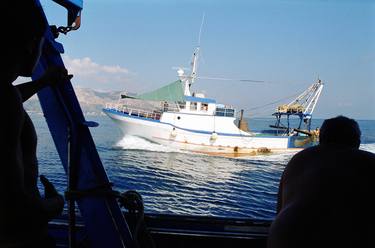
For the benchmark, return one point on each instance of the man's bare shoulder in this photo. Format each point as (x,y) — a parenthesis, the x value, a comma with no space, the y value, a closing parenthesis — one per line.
(307,152)
(304,155)
(366,160)
(366,154)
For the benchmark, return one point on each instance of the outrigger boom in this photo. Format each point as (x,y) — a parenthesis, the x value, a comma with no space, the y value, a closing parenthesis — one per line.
(303,107)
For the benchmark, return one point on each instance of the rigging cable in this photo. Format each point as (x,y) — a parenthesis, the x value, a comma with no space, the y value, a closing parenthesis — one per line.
(271,103)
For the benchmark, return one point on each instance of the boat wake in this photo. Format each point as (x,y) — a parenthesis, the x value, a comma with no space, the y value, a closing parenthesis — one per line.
(285,156)
(129,142)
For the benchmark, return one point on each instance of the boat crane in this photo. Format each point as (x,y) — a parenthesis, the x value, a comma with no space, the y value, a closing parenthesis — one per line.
(303,107)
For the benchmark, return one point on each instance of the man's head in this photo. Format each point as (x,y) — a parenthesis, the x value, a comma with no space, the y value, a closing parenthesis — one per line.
(340,131)
(23,26)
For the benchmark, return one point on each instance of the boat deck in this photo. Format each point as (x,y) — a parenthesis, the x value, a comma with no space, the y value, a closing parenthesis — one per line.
(184,231)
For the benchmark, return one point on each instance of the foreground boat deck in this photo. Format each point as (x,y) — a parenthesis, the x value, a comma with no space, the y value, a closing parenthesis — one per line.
(184,231)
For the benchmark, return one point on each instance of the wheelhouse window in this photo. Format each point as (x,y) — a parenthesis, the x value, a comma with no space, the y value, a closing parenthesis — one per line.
(223,111)
(204,106)
(193,106)
(181,105)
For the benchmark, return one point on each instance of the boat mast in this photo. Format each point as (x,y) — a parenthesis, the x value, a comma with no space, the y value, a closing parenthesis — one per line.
(194,62)
(194,65)
(189,80)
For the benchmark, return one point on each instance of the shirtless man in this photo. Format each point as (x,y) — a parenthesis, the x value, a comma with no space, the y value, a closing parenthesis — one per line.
(325,193)
(24,214)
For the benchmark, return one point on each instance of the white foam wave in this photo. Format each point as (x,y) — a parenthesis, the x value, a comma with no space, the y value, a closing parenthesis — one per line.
(129,142)
(368,147)
(286,155)
(280,157)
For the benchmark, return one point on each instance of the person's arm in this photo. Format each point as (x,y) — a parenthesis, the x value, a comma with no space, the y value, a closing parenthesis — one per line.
(279,202)
(282,184)
(42,209)
(52,76)
(11,129)
(53,202)
(16,202)
(28,89)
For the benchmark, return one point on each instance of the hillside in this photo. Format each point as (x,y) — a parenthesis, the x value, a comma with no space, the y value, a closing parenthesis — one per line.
(91,101)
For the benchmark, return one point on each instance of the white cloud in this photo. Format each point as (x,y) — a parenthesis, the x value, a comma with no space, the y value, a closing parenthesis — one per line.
(88,73)
(86,66)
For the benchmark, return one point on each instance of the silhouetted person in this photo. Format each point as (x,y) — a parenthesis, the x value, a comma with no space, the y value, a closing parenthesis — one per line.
(24,214)
(325,193)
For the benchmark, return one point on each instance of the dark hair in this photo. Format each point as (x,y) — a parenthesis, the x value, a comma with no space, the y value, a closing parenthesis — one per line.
(22,21)
(341,131)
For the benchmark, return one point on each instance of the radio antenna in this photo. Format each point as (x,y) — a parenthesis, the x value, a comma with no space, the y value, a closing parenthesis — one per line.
(200,30)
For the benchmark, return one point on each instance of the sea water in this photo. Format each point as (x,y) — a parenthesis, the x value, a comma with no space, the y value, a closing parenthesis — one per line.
(173,182)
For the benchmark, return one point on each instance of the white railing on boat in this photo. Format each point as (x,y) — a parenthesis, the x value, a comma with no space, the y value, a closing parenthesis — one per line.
(155,112)
(139,112)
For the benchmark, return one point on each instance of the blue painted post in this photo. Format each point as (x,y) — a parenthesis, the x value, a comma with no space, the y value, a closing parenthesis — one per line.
(104,221)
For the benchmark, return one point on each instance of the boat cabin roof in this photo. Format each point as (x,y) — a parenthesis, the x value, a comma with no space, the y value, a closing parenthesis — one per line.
(199,99)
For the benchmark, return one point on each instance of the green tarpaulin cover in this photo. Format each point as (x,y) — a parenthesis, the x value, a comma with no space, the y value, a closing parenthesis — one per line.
(172,92)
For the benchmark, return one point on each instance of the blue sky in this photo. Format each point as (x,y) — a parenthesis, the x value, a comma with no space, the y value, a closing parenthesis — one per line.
(133,45)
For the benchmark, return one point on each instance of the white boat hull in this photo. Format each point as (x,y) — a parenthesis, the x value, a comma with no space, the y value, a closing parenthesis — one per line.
(201,141)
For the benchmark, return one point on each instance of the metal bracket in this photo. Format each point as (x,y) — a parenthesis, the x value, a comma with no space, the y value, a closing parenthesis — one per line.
(75,25)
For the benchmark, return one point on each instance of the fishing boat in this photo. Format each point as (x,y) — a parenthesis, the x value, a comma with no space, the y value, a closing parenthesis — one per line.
(175,116)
